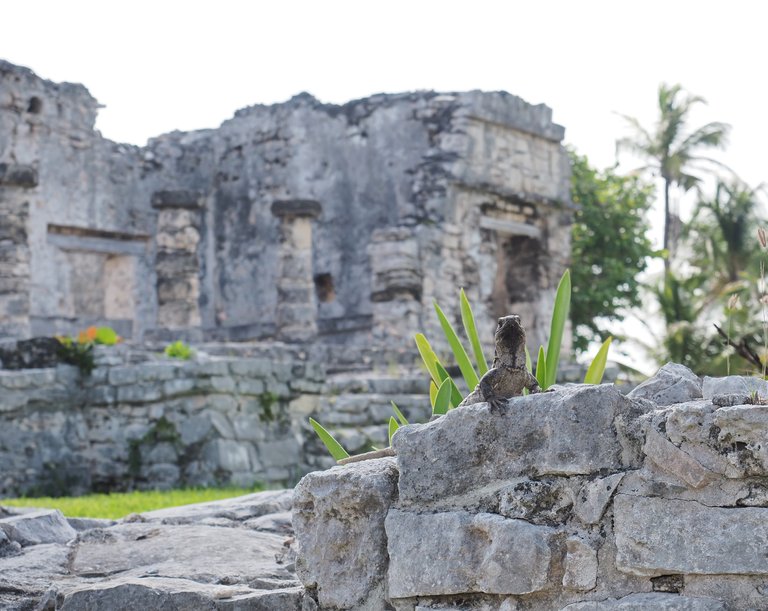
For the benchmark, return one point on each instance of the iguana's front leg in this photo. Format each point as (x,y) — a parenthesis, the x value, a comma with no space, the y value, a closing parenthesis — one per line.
(487,386)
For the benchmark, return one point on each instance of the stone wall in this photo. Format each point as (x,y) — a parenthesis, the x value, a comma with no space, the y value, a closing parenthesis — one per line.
(577,499)
(473,185)
(233,415)
(156,423)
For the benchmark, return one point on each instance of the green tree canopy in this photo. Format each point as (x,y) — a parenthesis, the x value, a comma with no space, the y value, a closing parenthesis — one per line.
(610,246)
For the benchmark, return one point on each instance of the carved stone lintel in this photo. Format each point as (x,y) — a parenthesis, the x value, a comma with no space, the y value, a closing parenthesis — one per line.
(180,198)
(296,208)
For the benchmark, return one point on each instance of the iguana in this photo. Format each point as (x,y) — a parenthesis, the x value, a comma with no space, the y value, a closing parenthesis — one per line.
(508,376)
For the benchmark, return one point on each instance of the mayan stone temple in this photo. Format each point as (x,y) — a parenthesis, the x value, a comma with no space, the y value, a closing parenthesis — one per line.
(298,222)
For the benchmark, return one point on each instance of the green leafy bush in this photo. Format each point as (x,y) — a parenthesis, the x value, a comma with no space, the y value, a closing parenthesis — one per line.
(179,350)
(79,351)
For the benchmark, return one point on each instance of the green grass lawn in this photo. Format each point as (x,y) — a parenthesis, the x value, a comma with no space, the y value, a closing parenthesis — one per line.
(118,504)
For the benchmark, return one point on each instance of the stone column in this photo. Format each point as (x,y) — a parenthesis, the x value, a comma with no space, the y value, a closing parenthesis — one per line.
(397,286)
(296,316)
(177,262)
(15,183)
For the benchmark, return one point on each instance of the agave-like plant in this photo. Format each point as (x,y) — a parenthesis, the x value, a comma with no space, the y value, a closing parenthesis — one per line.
(445,395)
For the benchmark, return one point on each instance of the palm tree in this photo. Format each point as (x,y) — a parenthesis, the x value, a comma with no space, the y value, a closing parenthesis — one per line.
(722,232)
(671,151)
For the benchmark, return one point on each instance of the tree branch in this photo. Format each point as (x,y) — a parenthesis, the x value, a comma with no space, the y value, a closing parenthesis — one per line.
(742,349)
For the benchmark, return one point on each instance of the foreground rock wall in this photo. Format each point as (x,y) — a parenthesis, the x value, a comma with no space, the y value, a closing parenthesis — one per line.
(577,499)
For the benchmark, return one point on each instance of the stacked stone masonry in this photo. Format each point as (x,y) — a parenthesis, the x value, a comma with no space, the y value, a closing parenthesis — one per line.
(578,499)
(141,420)
(412,196)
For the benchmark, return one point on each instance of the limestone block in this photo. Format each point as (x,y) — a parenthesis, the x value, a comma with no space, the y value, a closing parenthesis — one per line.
(339,516)
(537,501)
(279,453)
(594,496)
(248,428)
(673,460)
(8,547)
(157,371)
(732,385)
(745,429)
(33,528)
(162,476)
(650,600)
(165,593)
(656,536)
(496,555)
(250,387)
(227,454)
(194,428)
(673,383)
(254,368)
(119,376)
(139,393)
(580,565)
(180,386)
(571,431)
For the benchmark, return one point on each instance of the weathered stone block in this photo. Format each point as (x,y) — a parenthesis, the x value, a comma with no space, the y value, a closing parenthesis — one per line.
(675,461)
(733,385)
(33,528)
(496,555)
(745,429)
(657,536)
(339,520)
(673,383)
(648,601)
(568,432)
(593,498)
(228,455)
(580,565)
(279,453)
(119,376)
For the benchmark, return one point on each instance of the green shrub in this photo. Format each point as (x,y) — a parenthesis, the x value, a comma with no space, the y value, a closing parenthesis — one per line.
(179,350)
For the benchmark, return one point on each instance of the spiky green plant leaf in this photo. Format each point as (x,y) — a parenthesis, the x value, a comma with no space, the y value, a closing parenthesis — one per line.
(528,361)
(541,369)
(432,392)
(468,319)
(334,447)
(456,397)
(597,367)
(459,353)
(393,426)
(443,399)
(427,355)
(557,326)
(401,419)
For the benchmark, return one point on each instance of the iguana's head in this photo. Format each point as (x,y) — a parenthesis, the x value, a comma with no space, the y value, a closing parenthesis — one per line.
(510,332)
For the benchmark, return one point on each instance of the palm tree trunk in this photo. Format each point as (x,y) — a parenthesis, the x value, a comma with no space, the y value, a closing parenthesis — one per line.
(666,227)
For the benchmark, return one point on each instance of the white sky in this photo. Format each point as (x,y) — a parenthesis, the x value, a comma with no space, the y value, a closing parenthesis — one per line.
(167,64)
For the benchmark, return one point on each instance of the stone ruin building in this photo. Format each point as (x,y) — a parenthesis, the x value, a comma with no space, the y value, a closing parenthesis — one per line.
(297,222)
(298,247)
